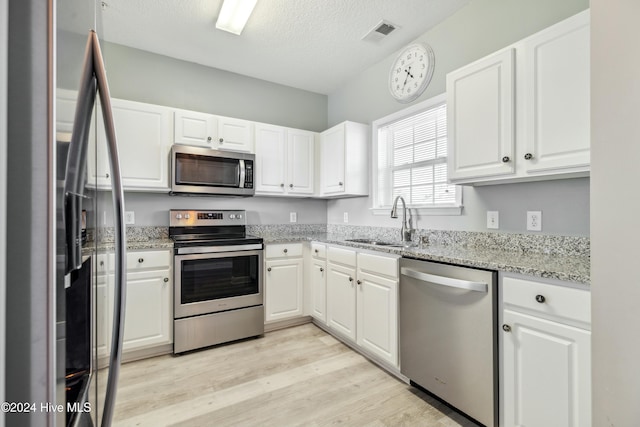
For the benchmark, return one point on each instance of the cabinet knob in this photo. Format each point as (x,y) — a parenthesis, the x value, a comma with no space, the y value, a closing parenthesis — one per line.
(540,298)
(140,260)
(315,250)
(101,263)
(350,279)
(321,269)
(285,250)
(528,156)
(340,183)
(282,185)
(166,279)
(290,185)
(269,269)
(107,175)
(359,282)
(506,328)
(208,139)
(505,159)
(221,140)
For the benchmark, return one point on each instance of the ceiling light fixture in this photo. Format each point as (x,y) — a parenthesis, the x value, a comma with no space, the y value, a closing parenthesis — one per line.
(234,15)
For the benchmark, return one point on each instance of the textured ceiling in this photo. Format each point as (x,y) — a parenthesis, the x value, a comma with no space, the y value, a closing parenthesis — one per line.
(315,45)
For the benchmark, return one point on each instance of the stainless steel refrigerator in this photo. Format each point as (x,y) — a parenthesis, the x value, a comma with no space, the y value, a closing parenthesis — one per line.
(52,366)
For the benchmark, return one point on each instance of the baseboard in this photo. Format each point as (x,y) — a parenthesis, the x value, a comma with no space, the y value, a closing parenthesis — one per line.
(282,324)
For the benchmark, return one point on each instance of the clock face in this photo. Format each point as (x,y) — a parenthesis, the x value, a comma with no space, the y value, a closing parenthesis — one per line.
(411,72)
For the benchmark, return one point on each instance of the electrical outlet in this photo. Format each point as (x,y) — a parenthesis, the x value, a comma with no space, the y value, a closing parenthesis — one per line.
(129,217)
(345,217)
(534,220)
(493,219)
(293,217)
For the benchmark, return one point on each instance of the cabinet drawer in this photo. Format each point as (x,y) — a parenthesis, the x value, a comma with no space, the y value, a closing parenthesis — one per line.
(570,303)
(318,250)
(144,260)
(380,265)
(342,256)
(284,250)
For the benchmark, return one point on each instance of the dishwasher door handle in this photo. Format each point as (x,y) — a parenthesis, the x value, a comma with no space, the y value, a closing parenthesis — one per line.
(445,281)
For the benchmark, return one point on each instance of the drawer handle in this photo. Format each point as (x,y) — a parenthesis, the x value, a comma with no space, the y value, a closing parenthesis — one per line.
(166,279)
(506,328)
(540,298)
(269,269)
(285,251)
(140,260)
(321,269)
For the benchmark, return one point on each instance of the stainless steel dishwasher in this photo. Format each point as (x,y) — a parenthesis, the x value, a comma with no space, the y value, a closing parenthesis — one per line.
(448,340)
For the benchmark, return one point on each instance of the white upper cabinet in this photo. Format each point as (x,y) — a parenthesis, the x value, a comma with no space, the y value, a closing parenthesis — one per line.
(480,117)
(522,114)
(344,160)
(557,100)
(208,130)
(193,128)
(285,160)
(143,134)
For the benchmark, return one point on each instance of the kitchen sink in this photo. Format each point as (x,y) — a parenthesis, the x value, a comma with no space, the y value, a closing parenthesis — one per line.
(376,242)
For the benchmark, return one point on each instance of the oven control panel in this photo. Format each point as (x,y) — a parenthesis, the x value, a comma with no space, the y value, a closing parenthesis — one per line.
(195,218)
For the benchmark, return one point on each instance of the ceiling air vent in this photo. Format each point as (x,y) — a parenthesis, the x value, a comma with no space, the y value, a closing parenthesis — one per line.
(381,30)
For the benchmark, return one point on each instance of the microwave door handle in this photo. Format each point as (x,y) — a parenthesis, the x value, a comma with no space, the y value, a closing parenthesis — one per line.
(242,173)
(120,234)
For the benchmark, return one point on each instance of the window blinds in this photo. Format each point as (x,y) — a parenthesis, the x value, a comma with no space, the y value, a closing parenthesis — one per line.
(412,160)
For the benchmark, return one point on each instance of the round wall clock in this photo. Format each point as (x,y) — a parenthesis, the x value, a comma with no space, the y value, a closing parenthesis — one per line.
(411,72)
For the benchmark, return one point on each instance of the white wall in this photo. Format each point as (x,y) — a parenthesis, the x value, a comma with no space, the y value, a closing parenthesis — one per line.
(476,30)
(615,209)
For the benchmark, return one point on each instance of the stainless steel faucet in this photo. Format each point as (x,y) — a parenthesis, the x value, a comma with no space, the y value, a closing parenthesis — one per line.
(406,229)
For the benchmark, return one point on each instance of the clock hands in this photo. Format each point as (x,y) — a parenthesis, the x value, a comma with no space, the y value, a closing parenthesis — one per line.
(408,71)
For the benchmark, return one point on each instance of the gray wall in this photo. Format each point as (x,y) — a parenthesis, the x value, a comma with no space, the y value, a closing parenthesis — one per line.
(478,29)
(615,233)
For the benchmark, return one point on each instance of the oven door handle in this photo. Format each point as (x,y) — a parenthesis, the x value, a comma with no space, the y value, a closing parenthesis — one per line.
(217,249)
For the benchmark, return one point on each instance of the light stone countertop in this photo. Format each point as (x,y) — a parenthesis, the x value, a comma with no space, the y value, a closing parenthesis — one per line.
(551,266)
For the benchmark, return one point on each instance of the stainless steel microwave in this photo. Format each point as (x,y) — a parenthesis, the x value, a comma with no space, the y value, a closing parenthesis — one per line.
(203,171)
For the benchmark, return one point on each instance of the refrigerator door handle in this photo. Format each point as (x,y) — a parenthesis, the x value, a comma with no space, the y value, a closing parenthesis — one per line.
(94,78)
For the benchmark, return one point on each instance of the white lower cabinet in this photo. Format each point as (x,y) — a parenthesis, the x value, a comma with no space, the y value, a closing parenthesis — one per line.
(284,267)
(148,320)
(362,300)
(546,354)
(318,282)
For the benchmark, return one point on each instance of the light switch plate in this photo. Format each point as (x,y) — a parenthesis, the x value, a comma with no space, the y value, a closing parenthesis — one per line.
(534,220)
(493,219)
(345,217)
(293,217)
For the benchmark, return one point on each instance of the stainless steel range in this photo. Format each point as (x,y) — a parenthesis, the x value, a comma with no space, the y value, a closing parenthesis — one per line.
(218,273)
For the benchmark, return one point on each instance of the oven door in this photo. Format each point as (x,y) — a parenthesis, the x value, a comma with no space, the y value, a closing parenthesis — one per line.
(213,282)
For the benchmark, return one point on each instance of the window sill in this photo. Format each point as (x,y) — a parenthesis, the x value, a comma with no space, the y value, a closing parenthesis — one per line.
(423,211)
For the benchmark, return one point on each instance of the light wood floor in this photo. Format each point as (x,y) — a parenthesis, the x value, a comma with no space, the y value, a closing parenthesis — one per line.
(299,376)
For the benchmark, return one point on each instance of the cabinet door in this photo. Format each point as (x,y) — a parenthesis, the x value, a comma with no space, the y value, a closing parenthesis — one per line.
(143,133)
(235,135)
(341,300)
(377,302)
(65,109)
(283,289)
(103,314)
(194,128)
(332,150)
(480,118)
(270,159)
(149,314)
(300,160)
(557,99)
(319,290)
(547,378)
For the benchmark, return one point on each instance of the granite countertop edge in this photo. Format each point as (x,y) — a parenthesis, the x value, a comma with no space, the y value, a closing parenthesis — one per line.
(564,268)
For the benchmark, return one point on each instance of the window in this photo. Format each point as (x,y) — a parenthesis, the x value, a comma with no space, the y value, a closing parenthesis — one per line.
(412,160)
